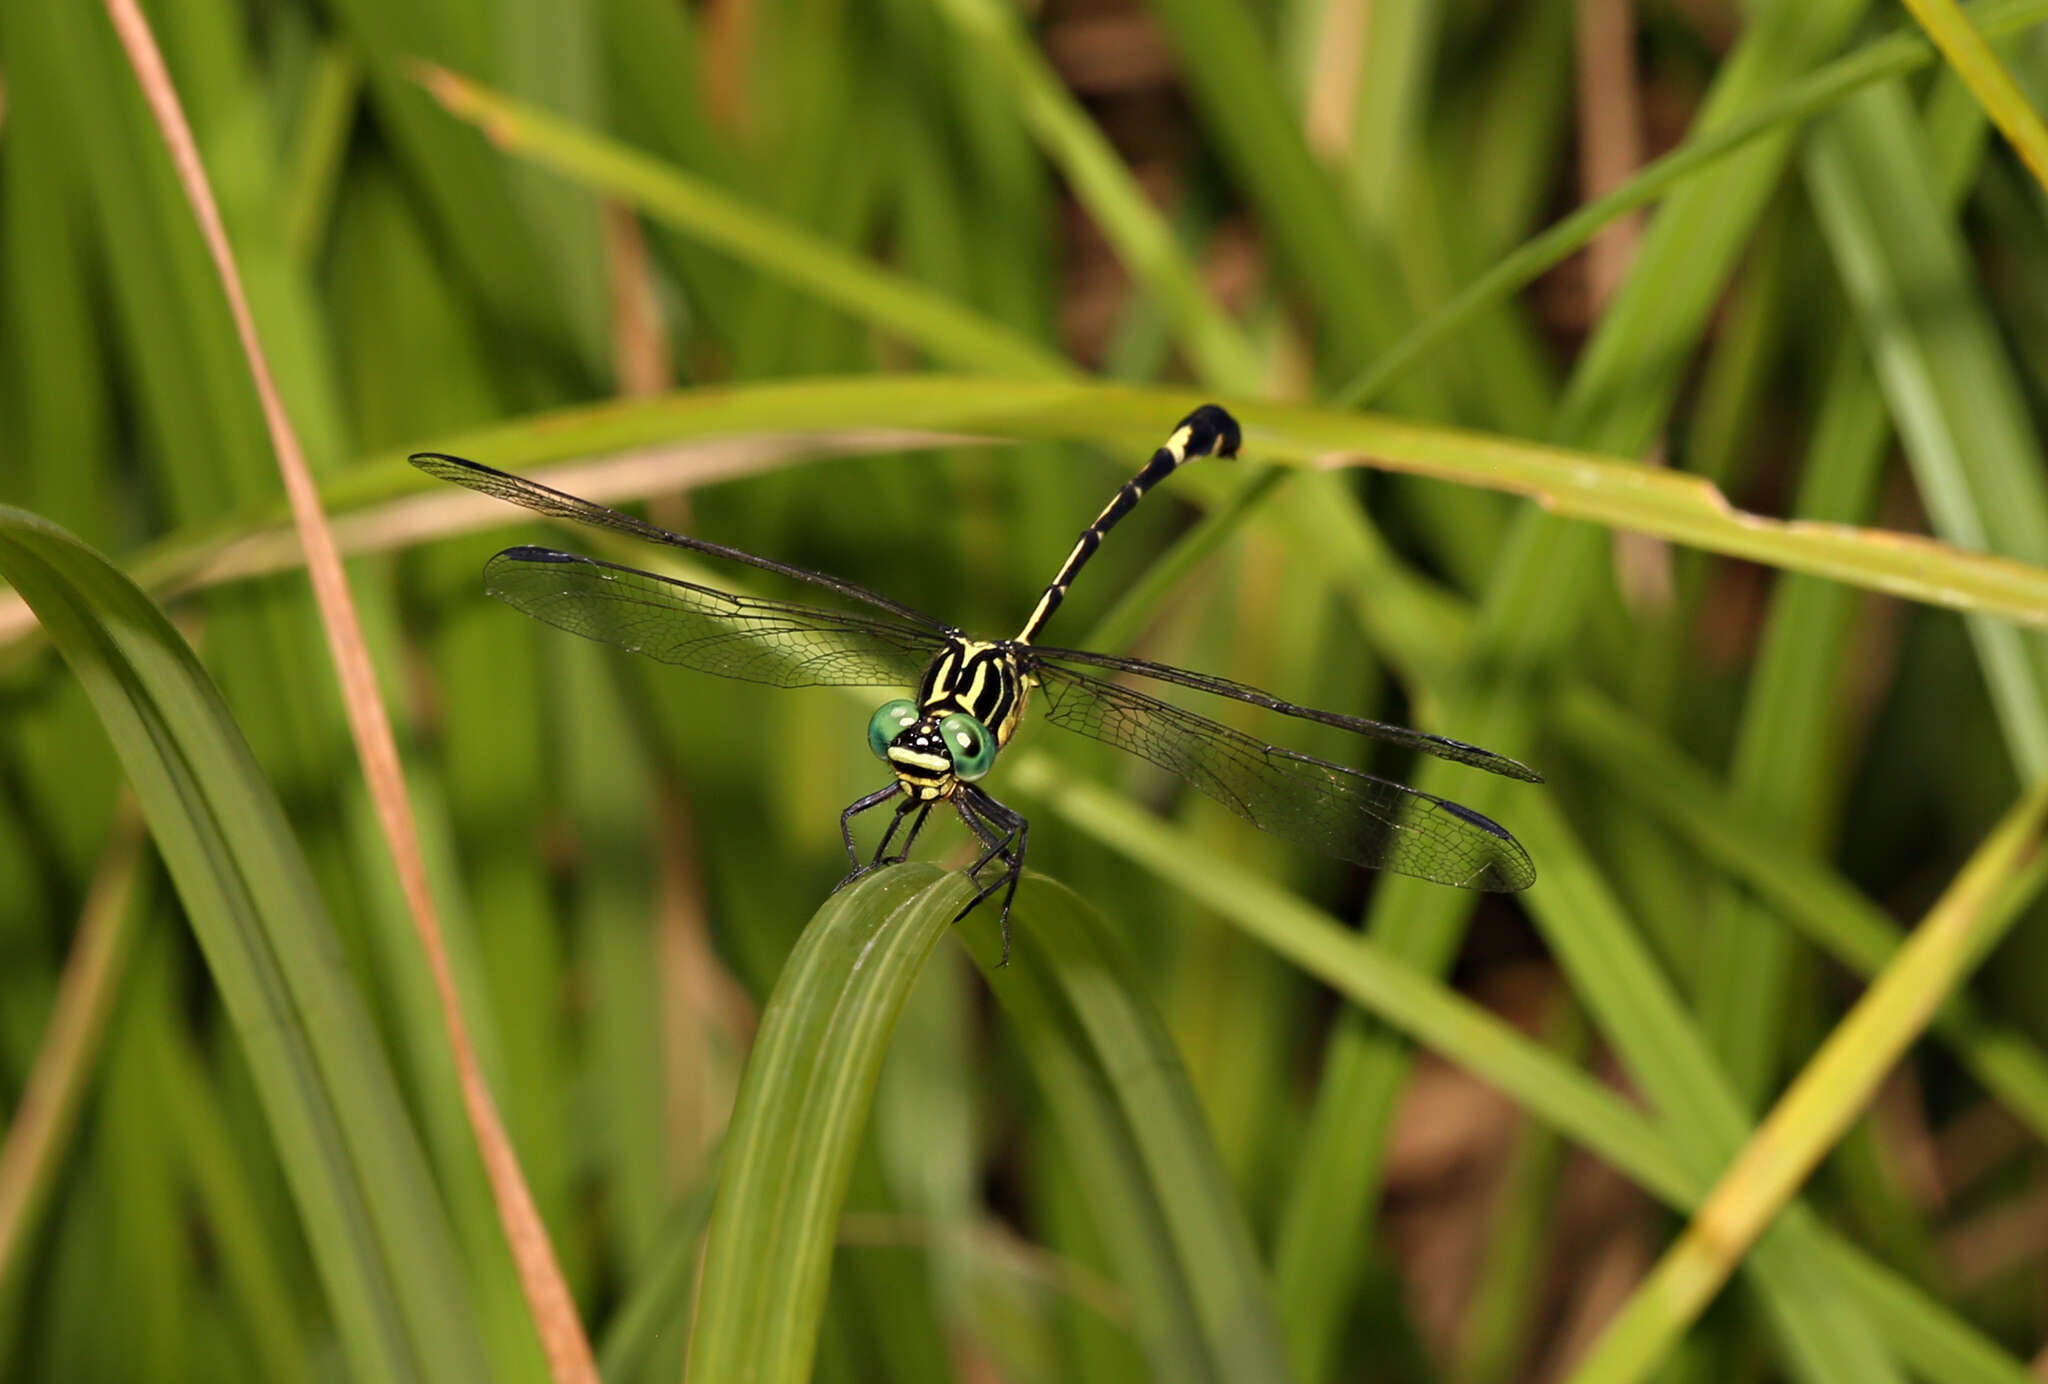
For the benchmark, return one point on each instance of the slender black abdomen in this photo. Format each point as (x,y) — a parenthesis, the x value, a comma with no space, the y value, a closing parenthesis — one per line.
(1208,431)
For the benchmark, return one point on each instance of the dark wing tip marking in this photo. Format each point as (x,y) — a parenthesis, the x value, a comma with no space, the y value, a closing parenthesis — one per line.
(1479,757)
(1509,870)
(525,553)
(1477,819)
(1211,432)
(434,463)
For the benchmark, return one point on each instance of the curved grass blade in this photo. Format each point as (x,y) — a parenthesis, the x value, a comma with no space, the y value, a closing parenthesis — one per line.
(1201,1300)
(1572,484)
(797,1122)
(378,1235)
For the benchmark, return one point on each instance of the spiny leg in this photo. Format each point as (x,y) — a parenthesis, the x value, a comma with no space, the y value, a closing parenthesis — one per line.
(996,845)
(903,809)
(924,810)
(874,799)
(1009,846)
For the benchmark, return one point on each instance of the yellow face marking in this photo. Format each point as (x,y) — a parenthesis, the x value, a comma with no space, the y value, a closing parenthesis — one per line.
(931,763)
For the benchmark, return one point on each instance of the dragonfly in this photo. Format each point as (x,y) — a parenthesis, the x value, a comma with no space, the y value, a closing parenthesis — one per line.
(971,694)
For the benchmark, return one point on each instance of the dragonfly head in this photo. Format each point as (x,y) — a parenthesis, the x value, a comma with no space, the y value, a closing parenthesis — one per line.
(931,752)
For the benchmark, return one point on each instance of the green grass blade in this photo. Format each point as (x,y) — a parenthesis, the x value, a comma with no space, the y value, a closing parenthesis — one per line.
(1219,350)
(41,1129)
(1953,391)
(1577,484)
(1107,1066)
(1800,100)
(781,248)
(1368,974)
(1781,760)
(797,1123)
(1963,44)
(1926,1333)
(1234,82)
(1824,1333)
(1786,880)
(319,147)
(378,1235)
(660,1301)
(1834,1087)
(247,1247)
(474,205)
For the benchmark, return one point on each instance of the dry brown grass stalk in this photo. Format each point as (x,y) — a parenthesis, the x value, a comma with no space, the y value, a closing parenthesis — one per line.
(547,1294)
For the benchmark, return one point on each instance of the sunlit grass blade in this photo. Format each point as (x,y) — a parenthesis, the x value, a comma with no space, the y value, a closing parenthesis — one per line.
(1830,1092)
(1570,483)
(798,1120)
(1962,42)
(378,1235)
(1200,1300)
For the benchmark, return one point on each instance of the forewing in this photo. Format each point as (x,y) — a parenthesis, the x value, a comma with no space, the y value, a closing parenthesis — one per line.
(559,504)
(776,643)
(1326,807)
(1442,746)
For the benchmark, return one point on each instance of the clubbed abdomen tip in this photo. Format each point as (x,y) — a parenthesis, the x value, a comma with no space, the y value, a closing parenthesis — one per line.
(1211,432)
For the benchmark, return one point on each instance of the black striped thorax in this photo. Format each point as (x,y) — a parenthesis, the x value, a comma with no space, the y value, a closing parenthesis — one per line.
(985,680)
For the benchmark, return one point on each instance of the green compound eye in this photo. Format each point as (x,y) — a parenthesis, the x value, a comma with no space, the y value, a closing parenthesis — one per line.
(888,722)
(972,747)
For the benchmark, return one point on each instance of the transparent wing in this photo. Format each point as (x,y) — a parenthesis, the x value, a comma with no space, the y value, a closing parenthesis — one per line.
(559,504)
(776,643)
(1443,747)
(1326,807)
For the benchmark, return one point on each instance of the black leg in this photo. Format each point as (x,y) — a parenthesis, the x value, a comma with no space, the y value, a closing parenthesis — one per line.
(1007,842)
(874,799)
(994,843)
(924,810)
(882,847)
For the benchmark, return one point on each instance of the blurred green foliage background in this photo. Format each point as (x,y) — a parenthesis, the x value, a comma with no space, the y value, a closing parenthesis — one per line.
(695,232)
